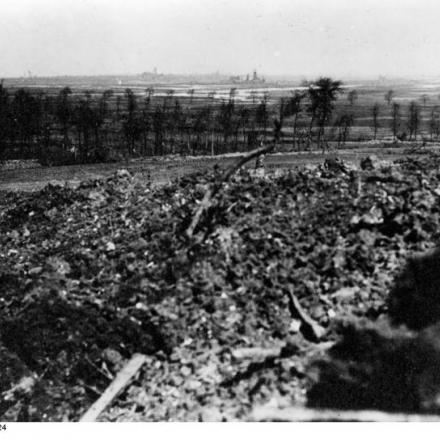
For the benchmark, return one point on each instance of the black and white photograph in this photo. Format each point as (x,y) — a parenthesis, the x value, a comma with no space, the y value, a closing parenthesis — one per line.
(219,211)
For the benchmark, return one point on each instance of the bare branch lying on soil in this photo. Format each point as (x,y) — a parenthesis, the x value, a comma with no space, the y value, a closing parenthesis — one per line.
(214,188)
(310,329)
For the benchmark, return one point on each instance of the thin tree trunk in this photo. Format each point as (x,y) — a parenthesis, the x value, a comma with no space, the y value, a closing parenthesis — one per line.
(212,143)
(312,120)
(294,131)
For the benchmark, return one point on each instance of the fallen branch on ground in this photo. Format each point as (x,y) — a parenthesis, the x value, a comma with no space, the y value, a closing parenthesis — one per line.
(214,188)
(309,328)
(286,350)
(301,414)
(120,382)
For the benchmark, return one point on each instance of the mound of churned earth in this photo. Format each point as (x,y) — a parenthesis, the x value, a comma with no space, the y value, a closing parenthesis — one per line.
(92,275)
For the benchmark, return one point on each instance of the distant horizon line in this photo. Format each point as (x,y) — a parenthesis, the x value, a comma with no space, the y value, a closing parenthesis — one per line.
(285,76)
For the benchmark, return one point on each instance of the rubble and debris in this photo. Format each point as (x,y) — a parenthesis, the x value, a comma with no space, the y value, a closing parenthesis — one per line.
(90,276)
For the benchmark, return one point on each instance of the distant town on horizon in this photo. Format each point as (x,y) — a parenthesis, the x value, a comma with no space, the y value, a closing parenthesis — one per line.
(253,78)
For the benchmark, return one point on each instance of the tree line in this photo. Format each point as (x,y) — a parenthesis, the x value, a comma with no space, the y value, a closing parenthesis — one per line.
(82,127)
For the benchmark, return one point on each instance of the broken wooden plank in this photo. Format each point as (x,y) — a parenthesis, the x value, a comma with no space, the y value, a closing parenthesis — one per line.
(285,350)
(119,383)
(245,353)
(302,414)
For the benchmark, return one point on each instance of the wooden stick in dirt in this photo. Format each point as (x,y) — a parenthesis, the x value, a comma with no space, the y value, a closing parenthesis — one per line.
(214,188)
(252,353)
(119,383)
(310,328)
(301,414)
(258,353)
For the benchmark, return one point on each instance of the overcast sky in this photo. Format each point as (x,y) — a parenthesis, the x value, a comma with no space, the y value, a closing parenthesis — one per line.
(297,37)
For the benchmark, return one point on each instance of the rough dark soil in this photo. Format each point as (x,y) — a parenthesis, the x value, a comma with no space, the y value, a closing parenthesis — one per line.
(91,275)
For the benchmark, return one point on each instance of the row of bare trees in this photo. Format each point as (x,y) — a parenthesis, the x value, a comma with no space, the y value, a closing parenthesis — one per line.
(86,127)
(406,125)
(81,126)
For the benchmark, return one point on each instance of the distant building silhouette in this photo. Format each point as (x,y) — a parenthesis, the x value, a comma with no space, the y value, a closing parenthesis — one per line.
(236,79)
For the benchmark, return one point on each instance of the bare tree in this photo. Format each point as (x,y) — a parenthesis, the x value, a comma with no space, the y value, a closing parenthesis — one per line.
(395,119)
(434,123)
(168,99)
(389,97)
(225,120)
(191,95)
(253,96)
(352,96)
(322,95)
(132,125)
(232,94)
(84,120)
(26,118)
(150,93)
(211,98)
(375,114)
(293,108)
(158,124)
(344,124)
(261,117)
(64,113)
(413,120)
(99,116)
(6,132)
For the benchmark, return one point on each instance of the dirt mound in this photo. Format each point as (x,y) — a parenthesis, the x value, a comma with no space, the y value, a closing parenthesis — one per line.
(107,266)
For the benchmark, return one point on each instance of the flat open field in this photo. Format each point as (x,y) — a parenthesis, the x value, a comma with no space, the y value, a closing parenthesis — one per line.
(164,170)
